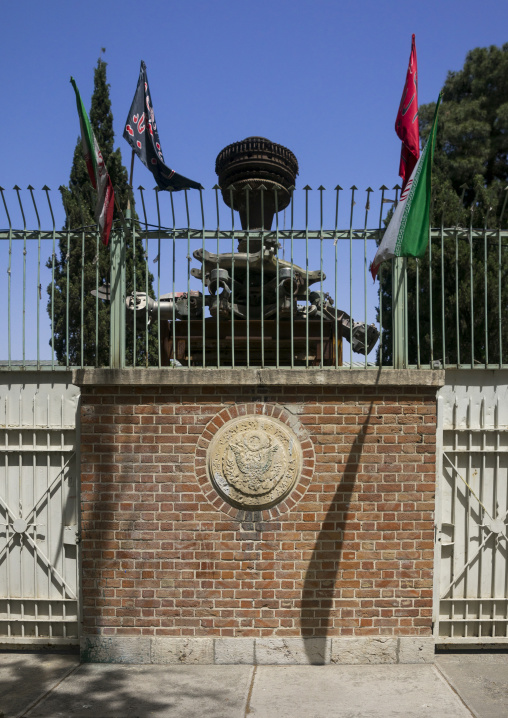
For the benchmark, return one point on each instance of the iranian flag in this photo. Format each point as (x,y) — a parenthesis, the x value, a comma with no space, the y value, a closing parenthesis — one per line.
(97,171)
(407,234)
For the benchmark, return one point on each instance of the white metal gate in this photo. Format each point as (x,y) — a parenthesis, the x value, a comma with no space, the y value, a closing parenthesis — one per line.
(471,568)
(39,509)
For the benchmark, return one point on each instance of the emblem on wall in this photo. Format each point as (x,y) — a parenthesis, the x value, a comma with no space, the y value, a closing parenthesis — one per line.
(254,461)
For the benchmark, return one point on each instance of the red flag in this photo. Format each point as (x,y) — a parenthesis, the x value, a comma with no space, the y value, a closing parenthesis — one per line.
(406,124)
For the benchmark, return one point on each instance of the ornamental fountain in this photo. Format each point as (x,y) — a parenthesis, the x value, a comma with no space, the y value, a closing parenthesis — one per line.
(262,308)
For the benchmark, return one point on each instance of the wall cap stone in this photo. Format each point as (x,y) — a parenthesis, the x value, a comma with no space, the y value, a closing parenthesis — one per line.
(184,376)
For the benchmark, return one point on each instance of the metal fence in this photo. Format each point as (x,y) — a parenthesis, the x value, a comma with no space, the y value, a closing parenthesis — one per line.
(175,289)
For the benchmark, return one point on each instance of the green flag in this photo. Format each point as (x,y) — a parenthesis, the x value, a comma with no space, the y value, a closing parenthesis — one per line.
(407,234)
(97,171)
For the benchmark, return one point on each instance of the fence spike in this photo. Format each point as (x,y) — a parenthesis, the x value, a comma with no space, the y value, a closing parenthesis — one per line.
(367,205)
(5,206)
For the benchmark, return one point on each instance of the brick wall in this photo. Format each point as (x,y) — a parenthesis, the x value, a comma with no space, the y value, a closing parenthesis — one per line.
(350,553)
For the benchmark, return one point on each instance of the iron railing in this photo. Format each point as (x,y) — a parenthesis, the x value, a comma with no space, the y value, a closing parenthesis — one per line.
(175,290)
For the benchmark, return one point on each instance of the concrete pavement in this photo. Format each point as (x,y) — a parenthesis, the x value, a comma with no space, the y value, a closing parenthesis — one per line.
(37,685)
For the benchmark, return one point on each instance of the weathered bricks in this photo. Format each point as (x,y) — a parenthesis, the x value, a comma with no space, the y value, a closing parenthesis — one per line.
(348,553)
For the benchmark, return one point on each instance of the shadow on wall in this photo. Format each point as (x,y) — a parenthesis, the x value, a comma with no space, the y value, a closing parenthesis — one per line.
(316,614)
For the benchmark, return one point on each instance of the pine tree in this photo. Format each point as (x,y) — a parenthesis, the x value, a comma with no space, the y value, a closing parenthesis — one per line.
(469,176)
(87,262)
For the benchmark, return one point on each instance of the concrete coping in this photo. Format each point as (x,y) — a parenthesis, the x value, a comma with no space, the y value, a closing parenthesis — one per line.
(184,376)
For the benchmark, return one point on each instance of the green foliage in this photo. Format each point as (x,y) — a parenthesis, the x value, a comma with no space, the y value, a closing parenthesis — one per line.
(81,323)
(469,280)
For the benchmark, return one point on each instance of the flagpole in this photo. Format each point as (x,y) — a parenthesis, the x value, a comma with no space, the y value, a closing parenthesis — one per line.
(130,183)
(132,167)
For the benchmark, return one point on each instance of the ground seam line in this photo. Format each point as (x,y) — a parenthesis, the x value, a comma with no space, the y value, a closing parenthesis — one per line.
(442,674)
(25,711)
(249,695)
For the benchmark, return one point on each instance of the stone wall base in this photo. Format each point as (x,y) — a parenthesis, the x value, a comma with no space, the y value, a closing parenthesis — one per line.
(257,651)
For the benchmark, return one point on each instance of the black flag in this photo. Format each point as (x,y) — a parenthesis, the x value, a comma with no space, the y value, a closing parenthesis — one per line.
(141,133)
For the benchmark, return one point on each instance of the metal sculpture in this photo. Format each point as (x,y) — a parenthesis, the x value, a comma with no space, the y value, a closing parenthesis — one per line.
(257,178)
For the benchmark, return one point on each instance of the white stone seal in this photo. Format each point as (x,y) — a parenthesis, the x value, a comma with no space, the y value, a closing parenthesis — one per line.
(254,461)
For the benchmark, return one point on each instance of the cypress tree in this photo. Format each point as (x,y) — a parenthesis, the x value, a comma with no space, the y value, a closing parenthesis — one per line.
(87,262)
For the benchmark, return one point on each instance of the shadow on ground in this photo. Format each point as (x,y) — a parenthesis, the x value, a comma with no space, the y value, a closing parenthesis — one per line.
(114,691)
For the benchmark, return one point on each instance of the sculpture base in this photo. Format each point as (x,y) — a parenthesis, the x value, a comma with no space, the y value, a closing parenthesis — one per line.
(255,343)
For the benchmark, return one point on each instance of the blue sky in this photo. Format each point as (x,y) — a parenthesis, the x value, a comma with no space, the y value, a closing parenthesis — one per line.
(323,78)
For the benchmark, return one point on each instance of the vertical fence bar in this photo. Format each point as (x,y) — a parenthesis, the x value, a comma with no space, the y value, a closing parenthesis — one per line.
(431,327)
(443,329)
(406,318)
(247,188)
(307,188)
(499,294)
(471,280)
(335,241)
(457,315)
(500,288)
(418,354)
(353,189)
(117,304)
(394,298)
(217,285)
(158,260)
(418,360)
(173,323)
(96,262)
(367,208)
(262,251)
(188,279)
(230,188)
(203,299)
(321,320)
(67,227)
(18,189)
(82,284)
(293,300)
(399,308)
(53,257)
(277,276)
(132,225)
(147,316)
(485,285)
(383,189)
(39,288)
(9,272)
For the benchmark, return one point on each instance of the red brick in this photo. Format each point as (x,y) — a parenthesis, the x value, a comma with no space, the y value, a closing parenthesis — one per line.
(349,552)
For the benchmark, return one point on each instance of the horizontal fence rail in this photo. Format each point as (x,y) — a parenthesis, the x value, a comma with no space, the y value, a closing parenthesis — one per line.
(175,290)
